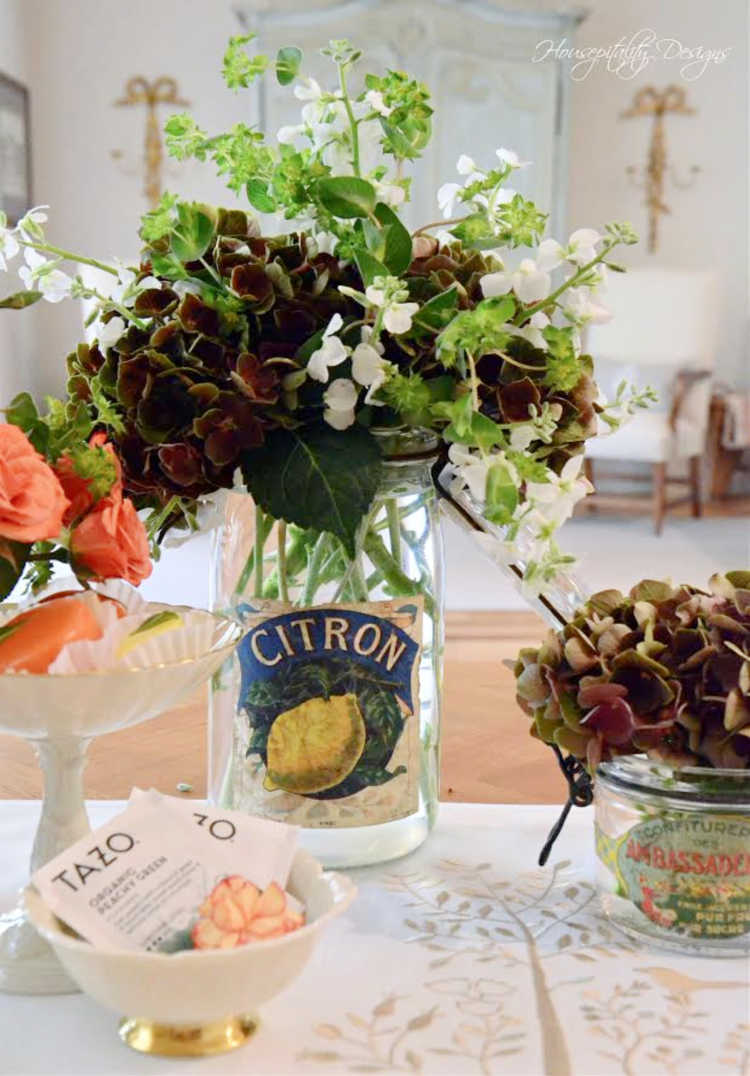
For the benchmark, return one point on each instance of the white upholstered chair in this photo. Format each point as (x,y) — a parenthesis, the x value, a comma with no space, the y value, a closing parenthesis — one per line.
(663,333)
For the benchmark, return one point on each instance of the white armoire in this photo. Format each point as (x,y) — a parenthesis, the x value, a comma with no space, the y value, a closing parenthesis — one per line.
(482,61)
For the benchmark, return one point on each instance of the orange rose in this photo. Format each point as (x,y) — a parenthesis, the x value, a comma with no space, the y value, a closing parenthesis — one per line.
(110,542)
(236,912)
(32,501)
(78,489)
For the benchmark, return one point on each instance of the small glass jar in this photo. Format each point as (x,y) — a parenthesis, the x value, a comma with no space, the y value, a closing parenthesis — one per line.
(673,854)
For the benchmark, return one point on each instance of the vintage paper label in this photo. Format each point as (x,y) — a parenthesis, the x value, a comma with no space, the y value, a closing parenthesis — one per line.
(328,711)
(687,872)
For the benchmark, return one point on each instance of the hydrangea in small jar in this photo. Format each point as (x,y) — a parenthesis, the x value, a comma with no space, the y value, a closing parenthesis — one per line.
(651,691)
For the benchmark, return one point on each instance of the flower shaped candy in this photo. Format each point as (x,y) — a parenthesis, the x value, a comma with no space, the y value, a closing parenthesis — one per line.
(236,912)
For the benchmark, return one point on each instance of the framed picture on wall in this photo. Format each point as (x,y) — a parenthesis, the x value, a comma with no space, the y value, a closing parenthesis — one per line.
(15,150)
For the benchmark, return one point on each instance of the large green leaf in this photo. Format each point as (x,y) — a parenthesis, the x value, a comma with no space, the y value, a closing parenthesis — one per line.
(318,478)
(12,562)
(397,255)
(347,196)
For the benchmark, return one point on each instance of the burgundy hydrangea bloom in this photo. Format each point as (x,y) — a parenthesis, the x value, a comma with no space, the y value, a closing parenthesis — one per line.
(663,671)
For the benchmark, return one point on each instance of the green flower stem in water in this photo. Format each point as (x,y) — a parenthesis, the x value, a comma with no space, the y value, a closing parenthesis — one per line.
(394,575)
(314,566)
(394,530)
(249,568)
(283,582)
(261,535)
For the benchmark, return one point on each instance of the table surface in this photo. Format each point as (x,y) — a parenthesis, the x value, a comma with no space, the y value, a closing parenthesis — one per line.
(463,958)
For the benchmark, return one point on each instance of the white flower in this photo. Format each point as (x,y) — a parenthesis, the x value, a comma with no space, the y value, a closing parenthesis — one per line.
(529,282)
(582,246)
(340,398)
(471,469)
(550,254)
(509,156)
(465,166)
(55,286)
(557,498)
(397,316)
(522,435)
(578,305)
(390,193)
(32,220)
(109,332)
(185,287)
(447,196)
(330,353)
(286,135)
(308,90)
(321,243)
(8,247)
(369,368)
(533,331)
(375,100)
(52,283)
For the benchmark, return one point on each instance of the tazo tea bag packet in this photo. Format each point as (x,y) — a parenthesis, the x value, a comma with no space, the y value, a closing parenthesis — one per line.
(154,878)
(261,848)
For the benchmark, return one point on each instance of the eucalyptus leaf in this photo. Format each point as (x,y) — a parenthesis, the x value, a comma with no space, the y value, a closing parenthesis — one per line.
(319,478)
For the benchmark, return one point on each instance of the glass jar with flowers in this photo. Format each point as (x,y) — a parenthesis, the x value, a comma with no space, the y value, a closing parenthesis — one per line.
(331,377)
(650,692)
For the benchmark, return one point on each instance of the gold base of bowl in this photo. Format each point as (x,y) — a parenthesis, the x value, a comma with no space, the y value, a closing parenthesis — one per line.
(199,1040)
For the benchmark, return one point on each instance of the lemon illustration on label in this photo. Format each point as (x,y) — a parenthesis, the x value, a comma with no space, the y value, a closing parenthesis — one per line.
(166,620)
(315,745)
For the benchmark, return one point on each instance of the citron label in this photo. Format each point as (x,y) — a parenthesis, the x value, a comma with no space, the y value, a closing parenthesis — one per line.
(330,695)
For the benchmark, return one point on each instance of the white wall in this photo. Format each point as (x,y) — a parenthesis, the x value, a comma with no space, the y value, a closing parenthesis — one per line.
(708,225)
(16,331)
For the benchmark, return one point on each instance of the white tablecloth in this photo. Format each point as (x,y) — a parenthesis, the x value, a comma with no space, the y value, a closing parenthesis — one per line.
(462,958)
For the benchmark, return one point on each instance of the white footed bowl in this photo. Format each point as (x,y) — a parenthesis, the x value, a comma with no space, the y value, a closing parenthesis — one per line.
(204,1001)
(60,714)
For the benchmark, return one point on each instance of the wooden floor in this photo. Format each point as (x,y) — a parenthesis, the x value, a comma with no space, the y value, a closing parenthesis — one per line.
(488,755)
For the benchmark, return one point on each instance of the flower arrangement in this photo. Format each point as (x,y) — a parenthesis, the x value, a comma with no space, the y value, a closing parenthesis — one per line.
(664,671)
(279,354)
(61,500)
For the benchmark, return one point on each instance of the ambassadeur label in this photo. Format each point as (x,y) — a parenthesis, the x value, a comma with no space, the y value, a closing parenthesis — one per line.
(331,698)
(688,873)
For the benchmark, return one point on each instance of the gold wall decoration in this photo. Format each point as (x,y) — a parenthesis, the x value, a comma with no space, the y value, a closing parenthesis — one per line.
(162,91)
(658,103)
